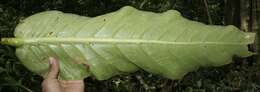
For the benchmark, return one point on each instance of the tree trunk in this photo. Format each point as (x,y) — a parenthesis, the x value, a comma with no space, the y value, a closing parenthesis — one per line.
(232,13)
(250,22)
(255,24)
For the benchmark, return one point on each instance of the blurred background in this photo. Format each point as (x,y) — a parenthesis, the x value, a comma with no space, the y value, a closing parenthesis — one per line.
(243,75)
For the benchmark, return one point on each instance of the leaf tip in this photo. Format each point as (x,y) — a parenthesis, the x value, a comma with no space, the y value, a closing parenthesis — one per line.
(250,37)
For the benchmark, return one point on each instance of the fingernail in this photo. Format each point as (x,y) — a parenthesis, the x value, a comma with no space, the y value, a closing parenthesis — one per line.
(51,60)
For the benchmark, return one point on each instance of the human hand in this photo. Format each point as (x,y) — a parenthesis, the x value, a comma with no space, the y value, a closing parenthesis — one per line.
(52,84)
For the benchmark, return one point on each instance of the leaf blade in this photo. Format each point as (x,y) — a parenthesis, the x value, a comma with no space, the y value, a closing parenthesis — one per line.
(165,44)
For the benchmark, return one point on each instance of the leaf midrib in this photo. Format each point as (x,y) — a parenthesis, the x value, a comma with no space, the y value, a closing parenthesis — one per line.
(122,41)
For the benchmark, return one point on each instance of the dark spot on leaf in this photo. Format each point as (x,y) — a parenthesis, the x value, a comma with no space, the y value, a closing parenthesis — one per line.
(86,65)
(50,33)
(91,44)
(104,20)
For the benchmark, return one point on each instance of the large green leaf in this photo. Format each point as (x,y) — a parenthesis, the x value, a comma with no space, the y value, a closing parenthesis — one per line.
(123,42)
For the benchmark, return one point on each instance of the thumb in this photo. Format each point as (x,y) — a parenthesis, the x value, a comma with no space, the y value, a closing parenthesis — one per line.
(53,69)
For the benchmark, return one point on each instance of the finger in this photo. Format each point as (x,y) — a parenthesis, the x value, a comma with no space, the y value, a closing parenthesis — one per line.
(72,85)
(53,69)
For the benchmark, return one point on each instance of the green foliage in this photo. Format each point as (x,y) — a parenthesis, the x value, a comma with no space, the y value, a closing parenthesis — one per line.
(241,75)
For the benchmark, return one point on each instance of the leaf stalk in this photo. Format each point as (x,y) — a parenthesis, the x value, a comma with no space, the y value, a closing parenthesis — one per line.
(12,41)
